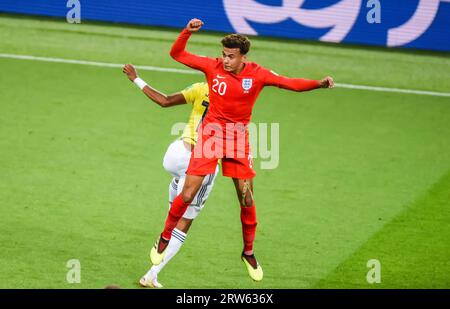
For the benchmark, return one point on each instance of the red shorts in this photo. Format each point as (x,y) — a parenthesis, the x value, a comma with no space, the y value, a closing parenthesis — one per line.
(237,161)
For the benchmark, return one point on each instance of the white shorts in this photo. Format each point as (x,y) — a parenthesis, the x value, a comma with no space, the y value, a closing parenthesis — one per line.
(176,161)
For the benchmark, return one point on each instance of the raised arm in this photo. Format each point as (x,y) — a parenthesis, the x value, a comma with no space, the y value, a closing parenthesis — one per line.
(179,53)
(296,84)
(156,96)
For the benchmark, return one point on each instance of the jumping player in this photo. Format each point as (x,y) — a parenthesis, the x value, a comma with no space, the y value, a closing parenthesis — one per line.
(234,84)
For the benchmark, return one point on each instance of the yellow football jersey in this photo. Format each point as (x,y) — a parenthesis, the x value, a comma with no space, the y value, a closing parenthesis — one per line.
(197,95)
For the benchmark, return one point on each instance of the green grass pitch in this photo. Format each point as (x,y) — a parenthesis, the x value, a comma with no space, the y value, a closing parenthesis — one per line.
(362,175)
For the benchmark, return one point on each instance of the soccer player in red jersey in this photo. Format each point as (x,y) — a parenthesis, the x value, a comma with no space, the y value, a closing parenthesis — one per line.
(234,84)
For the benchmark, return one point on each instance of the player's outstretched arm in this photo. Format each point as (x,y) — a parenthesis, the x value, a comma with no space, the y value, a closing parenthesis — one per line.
(156,96)
(179,53)
(296,84)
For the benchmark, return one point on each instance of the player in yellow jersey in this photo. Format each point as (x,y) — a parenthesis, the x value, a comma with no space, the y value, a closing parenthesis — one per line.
(176,161)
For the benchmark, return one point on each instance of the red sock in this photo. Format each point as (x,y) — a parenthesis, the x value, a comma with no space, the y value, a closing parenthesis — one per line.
(248,219)
(175,213)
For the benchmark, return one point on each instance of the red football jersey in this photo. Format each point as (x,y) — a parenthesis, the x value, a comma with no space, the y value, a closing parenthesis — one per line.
(232,96)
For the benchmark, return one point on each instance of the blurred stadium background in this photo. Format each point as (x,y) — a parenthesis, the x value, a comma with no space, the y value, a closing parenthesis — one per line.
(364,173)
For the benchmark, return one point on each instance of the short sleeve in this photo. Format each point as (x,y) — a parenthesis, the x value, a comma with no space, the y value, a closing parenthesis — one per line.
(190,93)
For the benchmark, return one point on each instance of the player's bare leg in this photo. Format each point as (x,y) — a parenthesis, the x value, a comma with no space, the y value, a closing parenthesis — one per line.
(179,205)
(244,190)
(191,186)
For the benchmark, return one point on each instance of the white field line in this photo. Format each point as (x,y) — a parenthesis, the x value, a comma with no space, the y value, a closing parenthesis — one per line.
(93,63)
(181,71)
(397,90)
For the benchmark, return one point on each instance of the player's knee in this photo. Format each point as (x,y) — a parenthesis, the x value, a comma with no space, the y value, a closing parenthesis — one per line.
(248,201)
(187,195)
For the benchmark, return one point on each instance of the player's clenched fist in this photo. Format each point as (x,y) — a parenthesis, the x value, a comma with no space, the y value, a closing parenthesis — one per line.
(194,25)
(327,82)
(130,71)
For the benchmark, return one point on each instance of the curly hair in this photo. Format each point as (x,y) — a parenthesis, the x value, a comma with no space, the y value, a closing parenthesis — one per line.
(237,41)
